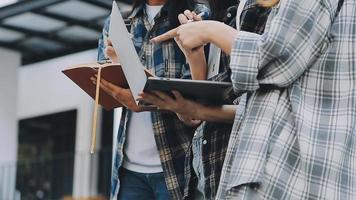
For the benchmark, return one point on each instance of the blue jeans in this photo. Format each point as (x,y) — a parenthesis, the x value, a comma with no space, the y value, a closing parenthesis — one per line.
(137,186)
(197,144)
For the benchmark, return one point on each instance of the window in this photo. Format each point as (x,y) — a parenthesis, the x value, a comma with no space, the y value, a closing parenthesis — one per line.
(46,156)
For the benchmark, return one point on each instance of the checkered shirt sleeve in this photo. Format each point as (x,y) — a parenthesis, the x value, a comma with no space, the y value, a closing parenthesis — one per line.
(295,137)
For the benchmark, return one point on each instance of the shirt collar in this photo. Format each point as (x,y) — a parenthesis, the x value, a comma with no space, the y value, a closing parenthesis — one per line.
(140,9)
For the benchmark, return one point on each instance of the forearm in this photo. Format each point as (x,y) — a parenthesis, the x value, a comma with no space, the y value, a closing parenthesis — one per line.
(198,65)
(221,35)
(224,113)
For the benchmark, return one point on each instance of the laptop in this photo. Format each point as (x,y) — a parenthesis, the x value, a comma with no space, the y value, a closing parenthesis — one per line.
(206,92)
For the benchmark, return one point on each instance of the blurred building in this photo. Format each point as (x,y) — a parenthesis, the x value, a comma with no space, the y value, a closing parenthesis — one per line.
(45,120)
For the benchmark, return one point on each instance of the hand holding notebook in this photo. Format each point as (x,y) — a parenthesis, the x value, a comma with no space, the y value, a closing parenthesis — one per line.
(111,74)
(120,94)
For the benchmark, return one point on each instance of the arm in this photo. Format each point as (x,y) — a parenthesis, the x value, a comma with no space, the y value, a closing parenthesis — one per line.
(192,36)
(188,108)
(297,35)
(196,60)
(106,51)
(197,64)
(224,113)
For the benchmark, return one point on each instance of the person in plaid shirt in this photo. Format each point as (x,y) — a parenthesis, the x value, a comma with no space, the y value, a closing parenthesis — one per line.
(211,139)
(294,138)
(151,146)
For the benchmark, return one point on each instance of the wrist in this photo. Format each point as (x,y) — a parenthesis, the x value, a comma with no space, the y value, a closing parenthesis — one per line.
(198,112)
(196,55)
(220,34)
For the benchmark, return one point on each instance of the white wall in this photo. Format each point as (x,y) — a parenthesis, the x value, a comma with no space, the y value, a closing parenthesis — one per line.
(43,89)
(9,62)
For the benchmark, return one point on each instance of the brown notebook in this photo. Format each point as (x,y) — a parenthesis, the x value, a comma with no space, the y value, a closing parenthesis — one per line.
(112,72)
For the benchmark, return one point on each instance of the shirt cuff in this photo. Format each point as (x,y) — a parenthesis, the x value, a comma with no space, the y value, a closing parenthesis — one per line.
(244,64)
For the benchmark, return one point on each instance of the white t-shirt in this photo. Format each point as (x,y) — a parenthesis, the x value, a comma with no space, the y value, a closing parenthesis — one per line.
(151,12)
(140,150)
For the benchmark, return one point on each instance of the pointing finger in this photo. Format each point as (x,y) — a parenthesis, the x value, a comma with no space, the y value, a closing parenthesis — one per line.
(166,36)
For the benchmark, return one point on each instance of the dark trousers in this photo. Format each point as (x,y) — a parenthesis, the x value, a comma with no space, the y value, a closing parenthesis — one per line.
(145,186)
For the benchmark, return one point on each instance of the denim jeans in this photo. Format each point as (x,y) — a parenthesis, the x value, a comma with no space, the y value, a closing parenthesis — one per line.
(197,144)
(137,186)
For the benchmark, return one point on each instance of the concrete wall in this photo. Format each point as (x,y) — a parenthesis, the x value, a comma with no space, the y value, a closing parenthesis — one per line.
(9,63)
(43,89)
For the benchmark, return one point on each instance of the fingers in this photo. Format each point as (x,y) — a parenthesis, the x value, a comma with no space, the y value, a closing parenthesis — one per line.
(110,52)
(102,86)
(188,120)
(150,98)
(164,97)
(188,14)
(160,99)
(177,95)
(166,36)
(182,19)
(197,17)
(109,42)
(108,87)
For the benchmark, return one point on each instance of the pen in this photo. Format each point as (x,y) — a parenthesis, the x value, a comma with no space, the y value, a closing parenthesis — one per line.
(199,15)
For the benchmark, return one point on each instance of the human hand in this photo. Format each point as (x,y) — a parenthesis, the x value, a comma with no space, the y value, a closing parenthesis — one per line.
(188,16)
(194,35)
(122,95)
(190,36)
(184,18)
(189,121)
(177,104)
(110,52)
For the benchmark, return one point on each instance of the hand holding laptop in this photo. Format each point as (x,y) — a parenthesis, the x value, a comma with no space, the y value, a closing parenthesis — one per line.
(177,103)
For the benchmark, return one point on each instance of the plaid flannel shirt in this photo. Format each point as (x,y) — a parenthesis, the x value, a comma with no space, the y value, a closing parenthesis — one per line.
(216,135)
(295,138)
(164,60)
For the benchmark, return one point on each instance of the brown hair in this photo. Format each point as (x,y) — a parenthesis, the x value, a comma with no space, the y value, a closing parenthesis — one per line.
(267,3)
(175,8)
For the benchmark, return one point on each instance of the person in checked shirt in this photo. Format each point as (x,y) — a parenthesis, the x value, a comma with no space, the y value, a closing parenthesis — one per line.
(150,146)
(295,137)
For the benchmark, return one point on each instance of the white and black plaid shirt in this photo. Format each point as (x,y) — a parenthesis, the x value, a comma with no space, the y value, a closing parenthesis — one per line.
(295,138)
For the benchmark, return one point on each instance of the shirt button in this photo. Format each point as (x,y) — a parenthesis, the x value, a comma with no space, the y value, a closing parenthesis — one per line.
(205,142)
(143,57)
